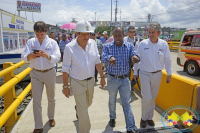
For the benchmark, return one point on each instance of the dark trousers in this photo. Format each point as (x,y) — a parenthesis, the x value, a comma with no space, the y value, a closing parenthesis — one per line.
(96,73)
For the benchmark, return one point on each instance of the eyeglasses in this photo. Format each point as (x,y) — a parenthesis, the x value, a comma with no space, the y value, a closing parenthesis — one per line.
(131,31)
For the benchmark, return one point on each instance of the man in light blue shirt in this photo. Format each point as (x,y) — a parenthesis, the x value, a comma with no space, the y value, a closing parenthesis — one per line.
(62,44)
(104,37)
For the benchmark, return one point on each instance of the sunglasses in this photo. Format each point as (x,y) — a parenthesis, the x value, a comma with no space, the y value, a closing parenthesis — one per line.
(132,31)
(93,35)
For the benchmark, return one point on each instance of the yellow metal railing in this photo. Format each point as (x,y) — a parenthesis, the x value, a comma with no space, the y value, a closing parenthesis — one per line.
(173,45)
(9,116)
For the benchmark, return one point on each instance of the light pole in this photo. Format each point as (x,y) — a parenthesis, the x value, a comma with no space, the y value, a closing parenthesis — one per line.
(95,16)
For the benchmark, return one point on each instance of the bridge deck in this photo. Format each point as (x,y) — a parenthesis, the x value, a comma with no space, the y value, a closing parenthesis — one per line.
(65,116)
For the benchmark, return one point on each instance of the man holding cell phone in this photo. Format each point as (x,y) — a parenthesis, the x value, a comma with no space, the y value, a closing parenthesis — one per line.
(42,53)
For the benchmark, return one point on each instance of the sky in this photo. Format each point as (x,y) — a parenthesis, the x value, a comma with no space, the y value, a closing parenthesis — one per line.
(169,13)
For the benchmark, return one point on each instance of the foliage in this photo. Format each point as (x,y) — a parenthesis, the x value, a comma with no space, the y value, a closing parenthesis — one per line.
(104,28)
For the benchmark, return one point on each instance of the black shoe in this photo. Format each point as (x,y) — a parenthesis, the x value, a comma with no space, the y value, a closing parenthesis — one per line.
(96,80)
(130,131)
(112,122)
(76,112)
(142,123)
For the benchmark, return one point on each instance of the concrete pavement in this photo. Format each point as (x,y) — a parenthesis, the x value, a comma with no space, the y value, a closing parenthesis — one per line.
(65,115)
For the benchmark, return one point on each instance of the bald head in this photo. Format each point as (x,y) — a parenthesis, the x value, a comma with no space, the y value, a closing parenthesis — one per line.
(118,35)
(118,29)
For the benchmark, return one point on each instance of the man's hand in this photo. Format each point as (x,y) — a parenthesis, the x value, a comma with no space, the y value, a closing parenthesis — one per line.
(135,59)
(102,82)
(112,61)
(43,54)
(168,80)
(135,77)
(66,92)
(33,56)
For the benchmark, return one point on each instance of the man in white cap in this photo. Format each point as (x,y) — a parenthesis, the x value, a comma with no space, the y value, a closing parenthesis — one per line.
(80,58)
(104,37)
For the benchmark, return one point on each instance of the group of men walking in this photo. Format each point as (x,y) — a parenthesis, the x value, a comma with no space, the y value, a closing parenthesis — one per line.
(80,59)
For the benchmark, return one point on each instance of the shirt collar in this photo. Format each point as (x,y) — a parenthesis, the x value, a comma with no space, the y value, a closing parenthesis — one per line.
(124,43)
(154,43)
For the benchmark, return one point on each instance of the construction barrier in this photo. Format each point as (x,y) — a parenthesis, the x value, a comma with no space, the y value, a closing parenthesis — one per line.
(9,116)
(180,91)
(173,45)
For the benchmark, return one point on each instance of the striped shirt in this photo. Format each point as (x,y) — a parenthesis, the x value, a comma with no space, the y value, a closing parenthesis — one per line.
(99,46)
(62,44)
(122,56)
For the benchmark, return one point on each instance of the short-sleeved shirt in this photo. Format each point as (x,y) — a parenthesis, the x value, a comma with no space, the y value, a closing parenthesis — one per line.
(63,44)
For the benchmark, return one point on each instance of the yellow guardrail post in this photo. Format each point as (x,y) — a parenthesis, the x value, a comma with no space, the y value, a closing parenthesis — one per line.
(9,98)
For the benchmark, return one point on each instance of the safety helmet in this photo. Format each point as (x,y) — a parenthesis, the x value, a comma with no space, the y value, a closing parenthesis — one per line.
(83,26)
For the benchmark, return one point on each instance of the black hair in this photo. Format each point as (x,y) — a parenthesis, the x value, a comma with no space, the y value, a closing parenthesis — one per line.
(131,27)
(51,32)
(40,26)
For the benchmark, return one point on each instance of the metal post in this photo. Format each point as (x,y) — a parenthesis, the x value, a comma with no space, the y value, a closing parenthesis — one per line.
(95,16)
(9,98)
(111,11)
(18,12)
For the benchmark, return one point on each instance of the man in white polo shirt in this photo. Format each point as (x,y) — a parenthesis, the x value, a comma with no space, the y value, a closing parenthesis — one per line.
(42,53)
(154,56)
(80,58)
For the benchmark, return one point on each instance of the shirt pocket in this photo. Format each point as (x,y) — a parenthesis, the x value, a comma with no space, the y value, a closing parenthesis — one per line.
(92,56)
(161,56)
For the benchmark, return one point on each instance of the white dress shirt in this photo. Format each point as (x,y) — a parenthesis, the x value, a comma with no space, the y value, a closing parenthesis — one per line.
(78,63)
(49,45)
(153,56)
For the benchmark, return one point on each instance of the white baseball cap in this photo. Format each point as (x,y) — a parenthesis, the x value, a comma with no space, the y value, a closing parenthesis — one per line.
(105,32)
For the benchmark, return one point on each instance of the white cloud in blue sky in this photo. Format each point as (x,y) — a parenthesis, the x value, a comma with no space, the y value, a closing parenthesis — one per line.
(62,11)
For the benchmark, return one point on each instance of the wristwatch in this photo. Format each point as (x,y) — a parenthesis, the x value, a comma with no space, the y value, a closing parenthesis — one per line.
(65,86)
(48,56)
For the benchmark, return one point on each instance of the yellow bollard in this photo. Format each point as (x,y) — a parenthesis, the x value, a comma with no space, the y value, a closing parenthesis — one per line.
(9,98)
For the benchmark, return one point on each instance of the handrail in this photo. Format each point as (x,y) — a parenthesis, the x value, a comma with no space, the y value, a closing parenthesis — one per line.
(9,116)
(7,86)
(9,69)
(6,115)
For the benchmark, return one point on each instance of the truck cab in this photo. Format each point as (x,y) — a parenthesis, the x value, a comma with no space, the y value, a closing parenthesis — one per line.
(189,52)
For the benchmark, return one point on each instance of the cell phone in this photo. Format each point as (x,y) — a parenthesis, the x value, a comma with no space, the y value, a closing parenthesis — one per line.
(35,50)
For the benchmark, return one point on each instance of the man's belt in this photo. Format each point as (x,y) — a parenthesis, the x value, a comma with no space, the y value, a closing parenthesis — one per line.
(120,76)
(43,71)
(88,78)
(156,71)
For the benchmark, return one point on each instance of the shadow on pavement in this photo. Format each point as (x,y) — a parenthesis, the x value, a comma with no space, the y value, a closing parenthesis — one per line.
(59,79)
(109,129)
(46,127)
(76,125)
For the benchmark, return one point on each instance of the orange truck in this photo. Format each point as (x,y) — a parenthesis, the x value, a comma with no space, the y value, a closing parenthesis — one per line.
(189,52)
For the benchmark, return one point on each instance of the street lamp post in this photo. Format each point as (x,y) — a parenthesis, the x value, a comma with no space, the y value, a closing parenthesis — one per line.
(95,16)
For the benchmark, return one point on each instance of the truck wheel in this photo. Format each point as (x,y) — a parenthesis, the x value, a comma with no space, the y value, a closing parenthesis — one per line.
(192,68)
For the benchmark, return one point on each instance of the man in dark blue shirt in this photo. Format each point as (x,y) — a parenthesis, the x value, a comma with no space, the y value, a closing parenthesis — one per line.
(116,55)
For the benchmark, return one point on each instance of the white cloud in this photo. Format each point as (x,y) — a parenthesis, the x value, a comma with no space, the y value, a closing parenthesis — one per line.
(62,11)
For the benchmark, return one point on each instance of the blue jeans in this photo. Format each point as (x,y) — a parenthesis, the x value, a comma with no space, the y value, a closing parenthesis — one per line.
(124,87)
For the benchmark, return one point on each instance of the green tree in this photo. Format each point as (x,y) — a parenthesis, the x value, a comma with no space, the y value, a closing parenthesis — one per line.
(103,28)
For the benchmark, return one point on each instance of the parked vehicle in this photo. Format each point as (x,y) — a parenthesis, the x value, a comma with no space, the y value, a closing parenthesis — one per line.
(189,52)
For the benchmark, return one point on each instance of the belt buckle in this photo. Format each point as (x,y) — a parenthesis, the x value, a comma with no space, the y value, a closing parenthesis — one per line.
(118,77)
